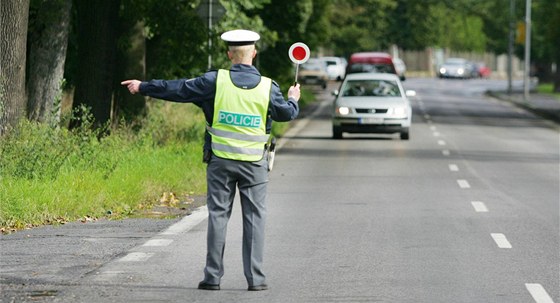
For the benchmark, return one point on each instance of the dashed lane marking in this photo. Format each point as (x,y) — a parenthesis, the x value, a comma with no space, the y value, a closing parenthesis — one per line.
(446,152)
(463,183)
(453,167)
(479,207)
(501,240)
(539,293)
(441,142)
(136,257)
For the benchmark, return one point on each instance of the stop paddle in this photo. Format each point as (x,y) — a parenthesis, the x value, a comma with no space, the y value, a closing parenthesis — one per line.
(299,53)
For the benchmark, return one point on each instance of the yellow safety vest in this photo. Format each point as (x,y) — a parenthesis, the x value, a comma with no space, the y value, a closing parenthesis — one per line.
(239,123)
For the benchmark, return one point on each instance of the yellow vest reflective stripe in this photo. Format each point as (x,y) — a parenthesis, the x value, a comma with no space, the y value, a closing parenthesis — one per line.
(239,123)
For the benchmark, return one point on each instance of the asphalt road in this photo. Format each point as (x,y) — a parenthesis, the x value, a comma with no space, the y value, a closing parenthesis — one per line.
(467,210)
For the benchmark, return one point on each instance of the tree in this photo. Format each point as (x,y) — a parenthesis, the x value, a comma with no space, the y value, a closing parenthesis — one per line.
(13,32)
(97,29)
(49,24)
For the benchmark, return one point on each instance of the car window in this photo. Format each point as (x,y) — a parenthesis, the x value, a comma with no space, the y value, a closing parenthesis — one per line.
(379,88)
(371,68)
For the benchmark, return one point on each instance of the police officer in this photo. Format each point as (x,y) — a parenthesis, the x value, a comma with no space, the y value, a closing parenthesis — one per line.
(239,105)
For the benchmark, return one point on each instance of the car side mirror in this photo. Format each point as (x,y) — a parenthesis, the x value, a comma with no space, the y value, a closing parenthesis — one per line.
(335,93)
(410,93)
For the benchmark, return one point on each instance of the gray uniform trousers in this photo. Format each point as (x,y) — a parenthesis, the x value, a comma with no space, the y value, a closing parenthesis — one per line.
(223,176)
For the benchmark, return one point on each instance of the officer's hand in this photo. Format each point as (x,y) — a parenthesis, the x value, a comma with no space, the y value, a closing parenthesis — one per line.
(132,85)
(294,92)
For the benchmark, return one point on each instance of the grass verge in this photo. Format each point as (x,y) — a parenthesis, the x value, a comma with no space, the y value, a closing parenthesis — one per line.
(548,88)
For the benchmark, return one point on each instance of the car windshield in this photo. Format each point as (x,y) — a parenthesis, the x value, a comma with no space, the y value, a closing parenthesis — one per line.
(371,87)
(455,62)
(371,68)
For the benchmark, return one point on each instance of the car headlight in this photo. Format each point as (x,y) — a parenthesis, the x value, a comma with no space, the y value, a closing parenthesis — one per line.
(398,111)
(460,71)
(343,110)
(442,70)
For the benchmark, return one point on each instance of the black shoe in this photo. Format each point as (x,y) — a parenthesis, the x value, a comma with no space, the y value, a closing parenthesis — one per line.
(258,287)
(207,286)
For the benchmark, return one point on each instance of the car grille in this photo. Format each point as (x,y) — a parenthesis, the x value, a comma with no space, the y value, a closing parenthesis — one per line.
(371,110)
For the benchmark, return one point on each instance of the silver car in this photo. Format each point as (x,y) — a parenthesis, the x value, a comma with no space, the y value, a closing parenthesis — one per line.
(457,68)
(372,103)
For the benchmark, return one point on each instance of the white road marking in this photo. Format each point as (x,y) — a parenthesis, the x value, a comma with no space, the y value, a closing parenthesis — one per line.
(463,183)
(436,134)
(187,222)
(539,293)
(441,142)
(446,152)
(501,240)
(479,206)
(433,127)
(136,257)
(158,242)
(453,167)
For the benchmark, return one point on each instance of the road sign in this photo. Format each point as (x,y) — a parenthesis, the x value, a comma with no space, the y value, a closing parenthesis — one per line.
(210,9)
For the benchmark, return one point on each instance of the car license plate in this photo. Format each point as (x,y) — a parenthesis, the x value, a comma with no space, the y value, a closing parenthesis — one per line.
(371,121)
(311,81)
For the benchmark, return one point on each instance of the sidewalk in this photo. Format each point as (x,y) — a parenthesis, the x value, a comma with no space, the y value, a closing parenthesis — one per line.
(543,105)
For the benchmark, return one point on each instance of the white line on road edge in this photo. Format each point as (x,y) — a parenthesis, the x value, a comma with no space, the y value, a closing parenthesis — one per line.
(538,292)
(158,242)
(501,240)
(446,152)
(463,183)
(136,257)
(479,207)
(187,222)
(441,142)
(453,167)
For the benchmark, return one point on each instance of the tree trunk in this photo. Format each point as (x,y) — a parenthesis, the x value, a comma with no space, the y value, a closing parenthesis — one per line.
(97,49)
(557,73)
(48,39)
(13,39)
(131,65)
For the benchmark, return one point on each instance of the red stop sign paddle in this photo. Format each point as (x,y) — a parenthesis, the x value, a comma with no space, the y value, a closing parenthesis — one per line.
(299,53)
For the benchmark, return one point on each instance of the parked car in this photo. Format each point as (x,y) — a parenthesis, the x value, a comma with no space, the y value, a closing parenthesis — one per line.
(482,70)
(400,67)
(457,68)
(370,62)
(313,72)
(336,67)
(372,103)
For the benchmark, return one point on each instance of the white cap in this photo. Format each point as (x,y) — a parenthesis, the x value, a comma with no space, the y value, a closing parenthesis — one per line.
(240,37)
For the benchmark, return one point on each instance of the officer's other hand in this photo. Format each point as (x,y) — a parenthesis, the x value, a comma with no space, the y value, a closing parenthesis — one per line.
(294,92)
(132,85)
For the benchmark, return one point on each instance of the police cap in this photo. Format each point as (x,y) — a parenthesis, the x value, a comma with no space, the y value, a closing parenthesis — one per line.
(240,37)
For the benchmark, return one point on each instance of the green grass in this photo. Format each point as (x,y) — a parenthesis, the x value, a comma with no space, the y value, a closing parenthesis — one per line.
(547,88)
(53,175)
